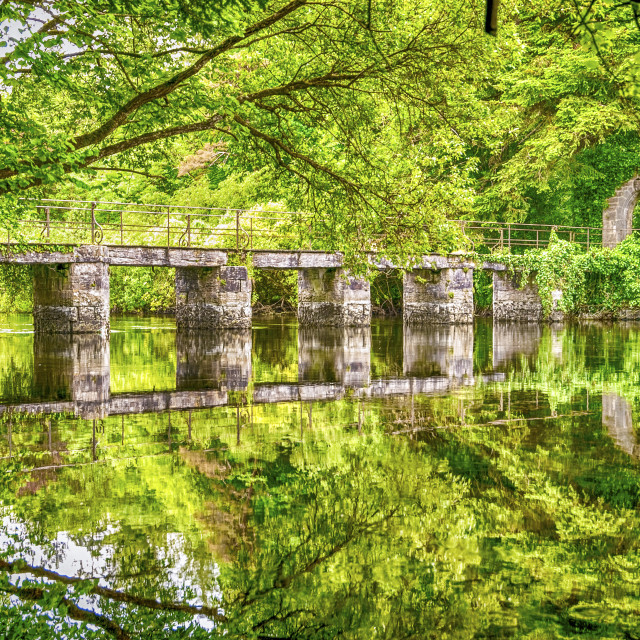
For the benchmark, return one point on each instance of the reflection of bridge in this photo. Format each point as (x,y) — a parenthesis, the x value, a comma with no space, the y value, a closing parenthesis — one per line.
(72,373)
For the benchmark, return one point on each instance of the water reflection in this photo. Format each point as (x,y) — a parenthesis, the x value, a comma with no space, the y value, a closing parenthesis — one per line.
(75,368)
(337,354)
(220,359)
(438,351)
(617,418)
(512,340)
(369,483)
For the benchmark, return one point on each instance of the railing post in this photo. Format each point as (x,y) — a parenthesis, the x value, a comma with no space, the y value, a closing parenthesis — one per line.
(237,229)
(501,238)
(48,222)
(121,229)
(509,232)
(537,238)
(587,238)
(188,230)
(93,223)
(168,226)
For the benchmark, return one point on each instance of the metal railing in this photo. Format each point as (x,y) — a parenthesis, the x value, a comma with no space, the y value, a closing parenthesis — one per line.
(508,235)
(154,225)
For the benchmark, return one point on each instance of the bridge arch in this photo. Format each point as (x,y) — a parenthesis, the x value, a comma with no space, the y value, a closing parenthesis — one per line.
(618,216)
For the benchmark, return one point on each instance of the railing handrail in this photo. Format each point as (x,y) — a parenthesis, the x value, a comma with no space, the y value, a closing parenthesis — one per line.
(116,223)
(165,205)
(526,224)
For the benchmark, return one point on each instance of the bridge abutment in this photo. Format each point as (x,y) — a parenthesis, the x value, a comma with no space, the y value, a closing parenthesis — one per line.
(617,218)
(511,301)
(213,298)
(438,296)
(71,298)
(332,297)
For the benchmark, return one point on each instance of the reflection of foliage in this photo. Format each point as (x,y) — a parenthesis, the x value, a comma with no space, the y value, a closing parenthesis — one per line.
(489,516)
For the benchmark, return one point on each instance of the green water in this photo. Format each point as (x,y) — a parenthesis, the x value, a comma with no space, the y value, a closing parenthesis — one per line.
(452,482)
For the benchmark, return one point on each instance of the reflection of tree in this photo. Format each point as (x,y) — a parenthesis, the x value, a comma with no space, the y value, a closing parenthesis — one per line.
(501,522)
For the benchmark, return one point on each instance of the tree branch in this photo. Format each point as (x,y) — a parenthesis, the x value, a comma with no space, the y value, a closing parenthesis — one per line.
(164,89)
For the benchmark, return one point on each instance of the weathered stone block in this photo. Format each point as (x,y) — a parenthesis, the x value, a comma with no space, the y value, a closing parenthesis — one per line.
(296,260)
(213,298)
(331,297)
(71,298)
(510,302)
(438,296)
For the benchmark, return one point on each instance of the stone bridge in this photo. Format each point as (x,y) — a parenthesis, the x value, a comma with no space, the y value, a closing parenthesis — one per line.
(71,288)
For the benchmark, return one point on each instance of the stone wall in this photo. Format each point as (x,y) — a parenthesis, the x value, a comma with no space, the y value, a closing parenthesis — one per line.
(331,297)
(71,298)
(510,302)
(213,298)
(438,296)
(617,218)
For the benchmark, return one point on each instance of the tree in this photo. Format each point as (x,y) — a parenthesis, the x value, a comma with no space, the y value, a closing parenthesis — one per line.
(553,96)
(347,99)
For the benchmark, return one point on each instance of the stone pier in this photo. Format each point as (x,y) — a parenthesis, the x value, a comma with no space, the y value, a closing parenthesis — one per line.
(335,354)
(438,296)
(216,360)
(331,297)
(75,368)
(511,302)
(71,298)
(438,351)
(213,298)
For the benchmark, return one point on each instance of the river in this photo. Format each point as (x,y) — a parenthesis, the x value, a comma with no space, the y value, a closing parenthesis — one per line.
(283,482)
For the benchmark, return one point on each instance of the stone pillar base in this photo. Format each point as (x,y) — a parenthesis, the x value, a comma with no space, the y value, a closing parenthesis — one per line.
(71,298)
(213,298)
(331,297)
(443,296)
(523,305)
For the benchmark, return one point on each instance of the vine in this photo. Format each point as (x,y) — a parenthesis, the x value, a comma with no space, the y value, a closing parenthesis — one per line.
(600,281)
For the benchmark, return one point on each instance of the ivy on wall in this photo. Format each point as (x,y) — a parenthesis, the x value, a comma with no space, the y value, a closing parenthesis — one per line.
(599,281)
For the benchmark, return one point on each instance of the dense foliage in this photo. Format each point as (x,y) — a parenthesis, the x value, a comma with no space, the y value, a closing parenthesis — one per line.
(600,281)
